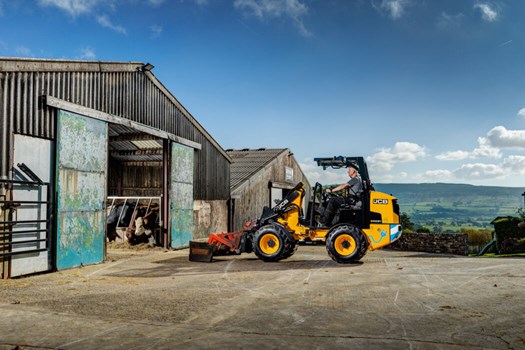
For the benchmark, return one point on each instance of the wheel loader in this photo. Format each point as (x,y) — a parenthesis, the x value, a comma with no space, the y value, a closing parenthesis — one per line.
(276,234)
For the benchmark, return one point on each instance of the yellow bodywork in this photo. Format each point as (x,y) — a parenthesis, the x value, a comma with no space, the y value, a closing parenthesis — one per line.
(384,225)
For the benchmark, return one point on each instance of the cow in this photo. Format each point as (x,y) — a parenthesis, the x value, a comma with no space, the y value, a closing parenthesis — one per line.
(137,220)
(144,226)
(119,216)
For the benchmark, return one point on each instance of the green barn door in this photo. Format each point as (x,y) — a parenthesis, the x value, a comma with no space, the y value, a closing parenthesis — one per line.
(82,151)
(181,195)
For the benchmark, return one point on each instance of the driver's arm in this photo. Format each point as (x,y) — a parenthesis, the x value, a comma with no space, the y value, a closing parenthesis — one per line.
(338,188)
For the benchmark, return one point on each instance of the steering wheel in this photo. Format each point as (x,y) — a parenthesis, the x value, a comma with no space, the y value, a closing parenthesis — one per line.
(327,195)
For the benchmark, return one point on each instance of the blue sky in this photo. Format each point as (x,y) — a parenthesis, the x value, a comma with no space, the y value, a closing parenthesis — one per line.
(425,90)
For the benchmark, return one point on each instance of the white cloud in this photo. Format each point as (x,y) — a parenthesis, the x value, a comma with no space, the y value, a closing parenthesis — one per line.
(202,2)
(156,2)
(72,7)
(395,9)
(385,158)
(515,164)
(505,43)
(485,149)
(87,54)
(80,7)
(437,175)
(23,51)
(500,137)
(263,9)
(156,31)
(490,145)
(453,155)
(521,113)
(449,22)
(315,173)
(475,171)
(511,166)
(104,21)
(488,11)
(384,178)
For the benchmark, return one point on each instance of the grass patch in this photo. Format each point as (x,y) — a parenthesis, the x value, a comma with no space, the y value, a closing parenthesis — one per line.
(492,255)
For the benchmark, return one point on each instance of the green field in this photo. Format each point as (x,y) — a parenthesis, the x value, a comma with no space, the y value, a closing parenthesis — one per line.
(449,207)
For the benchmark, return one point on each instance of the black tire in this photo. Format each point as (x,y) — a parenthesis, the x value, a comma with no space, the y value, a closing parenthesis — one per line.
(291,250)
(364,247)
(346,244)
(271,243)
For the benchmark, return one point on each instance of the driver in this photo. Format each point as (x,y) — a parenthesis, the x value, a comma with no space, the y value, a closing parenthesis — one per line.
(355,188)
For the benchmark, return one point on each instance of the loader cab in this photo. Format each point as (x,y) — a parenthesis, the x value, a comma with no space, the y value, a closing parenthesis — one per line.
(345,213)
(358,217)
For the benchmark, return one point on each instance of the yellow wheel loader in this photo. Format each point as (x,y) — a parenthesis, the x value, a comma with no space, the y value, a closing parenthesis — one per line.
(276,233)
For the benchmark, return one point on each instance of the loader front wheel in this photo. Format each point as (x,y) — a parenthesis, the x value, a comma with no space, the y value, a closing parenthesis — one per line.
(270,243)
(344,244)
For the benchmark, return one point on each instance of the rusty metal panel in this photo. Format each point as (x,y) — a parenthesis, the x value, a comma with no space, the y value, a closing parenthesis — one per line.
(81,188)
(181,195)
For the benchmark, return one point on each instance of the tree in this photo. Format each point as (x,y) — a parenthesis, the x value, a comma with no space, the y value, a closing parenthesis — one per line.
(477,237)
(423,229)
(407,225)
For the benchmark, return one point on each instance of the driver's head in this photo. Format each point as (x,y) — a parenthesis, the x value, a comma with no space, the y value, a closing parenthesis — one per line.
(353,170)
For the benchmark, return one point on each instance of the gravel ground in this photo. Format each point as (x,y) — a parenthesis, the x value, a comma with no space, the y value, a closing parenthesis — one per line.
(390,300)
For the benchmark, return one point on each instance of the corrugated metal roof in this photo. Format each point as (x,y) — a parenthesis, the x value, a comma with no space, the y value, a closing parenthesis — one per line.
(87,71)
(247,162)
(128,145)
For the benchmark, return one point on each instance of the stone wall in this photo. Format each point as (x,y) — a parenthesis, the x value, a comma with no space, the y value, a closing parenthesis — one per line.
(209,217)
(447,243)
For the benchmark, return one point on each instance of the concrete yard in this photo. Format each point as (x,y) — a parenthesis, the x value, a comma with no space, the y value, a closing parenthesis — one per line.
(151,299)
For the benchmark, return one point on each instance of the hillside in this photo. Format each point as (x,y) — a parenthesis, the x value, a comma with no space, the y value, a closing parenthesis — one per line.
(443,207)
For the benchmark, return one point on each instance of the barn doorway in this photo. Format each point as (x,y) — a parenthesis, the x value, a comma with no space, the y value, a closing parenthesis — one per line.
(136,205)
(104,162)
(150,188)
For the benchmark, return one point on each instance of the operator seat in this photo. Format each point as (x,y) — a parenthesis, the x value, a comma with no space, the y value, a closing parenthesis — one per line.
(348,213)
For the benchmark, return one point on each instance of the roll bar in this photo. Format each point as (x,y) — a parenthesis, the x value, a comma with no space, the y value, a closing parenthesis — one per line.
(340,162)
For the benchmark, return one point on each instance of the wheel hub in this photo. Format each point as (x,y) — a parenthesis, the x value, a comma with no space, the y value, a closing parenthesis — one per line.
(269,244)
(345,245)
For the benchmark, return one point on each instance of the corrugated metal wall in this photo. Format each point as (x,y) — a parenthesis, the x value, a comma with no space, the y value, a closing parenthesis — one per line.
(120,89)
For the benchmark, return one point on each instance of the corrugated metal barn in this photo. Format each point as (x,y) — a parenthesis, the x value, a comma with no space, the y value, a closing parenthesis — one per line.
(259,177)
(77,135)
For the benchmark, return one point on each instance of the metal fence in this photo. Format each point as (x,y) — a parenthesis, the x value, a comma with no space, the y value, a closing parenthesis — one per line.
(24,236)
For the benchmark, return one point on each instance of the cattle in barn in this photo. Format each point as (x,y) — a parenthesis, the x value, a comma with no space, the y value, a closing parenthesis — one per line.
(145,224)
(137,221)
(119,216)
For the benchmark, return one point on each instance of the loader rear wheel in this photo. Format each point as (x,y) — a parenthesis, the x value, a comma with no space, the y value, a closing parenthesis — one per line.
(345,244)
(271,244)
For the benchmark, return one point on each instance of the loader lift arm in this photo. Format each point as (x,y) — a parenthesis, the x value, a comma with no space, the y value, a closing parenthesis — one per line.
(343,162)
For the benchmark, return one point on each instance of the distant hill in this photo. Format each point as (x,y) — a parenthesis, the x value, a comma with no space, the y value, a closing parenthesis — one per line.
(447,207)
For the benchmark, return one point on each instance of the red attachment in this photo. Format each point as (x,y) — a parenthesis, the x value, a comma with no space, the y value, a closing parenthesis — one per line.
(227,240)
(230,240)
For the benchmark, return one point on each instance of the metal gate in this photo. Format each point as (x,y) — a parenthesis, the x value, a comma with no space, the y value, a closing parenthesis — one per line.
(24,224)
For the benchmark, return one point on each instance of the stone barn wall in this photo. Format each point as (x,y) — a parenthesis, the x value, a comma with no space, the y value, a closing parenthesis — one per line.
(448,243)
